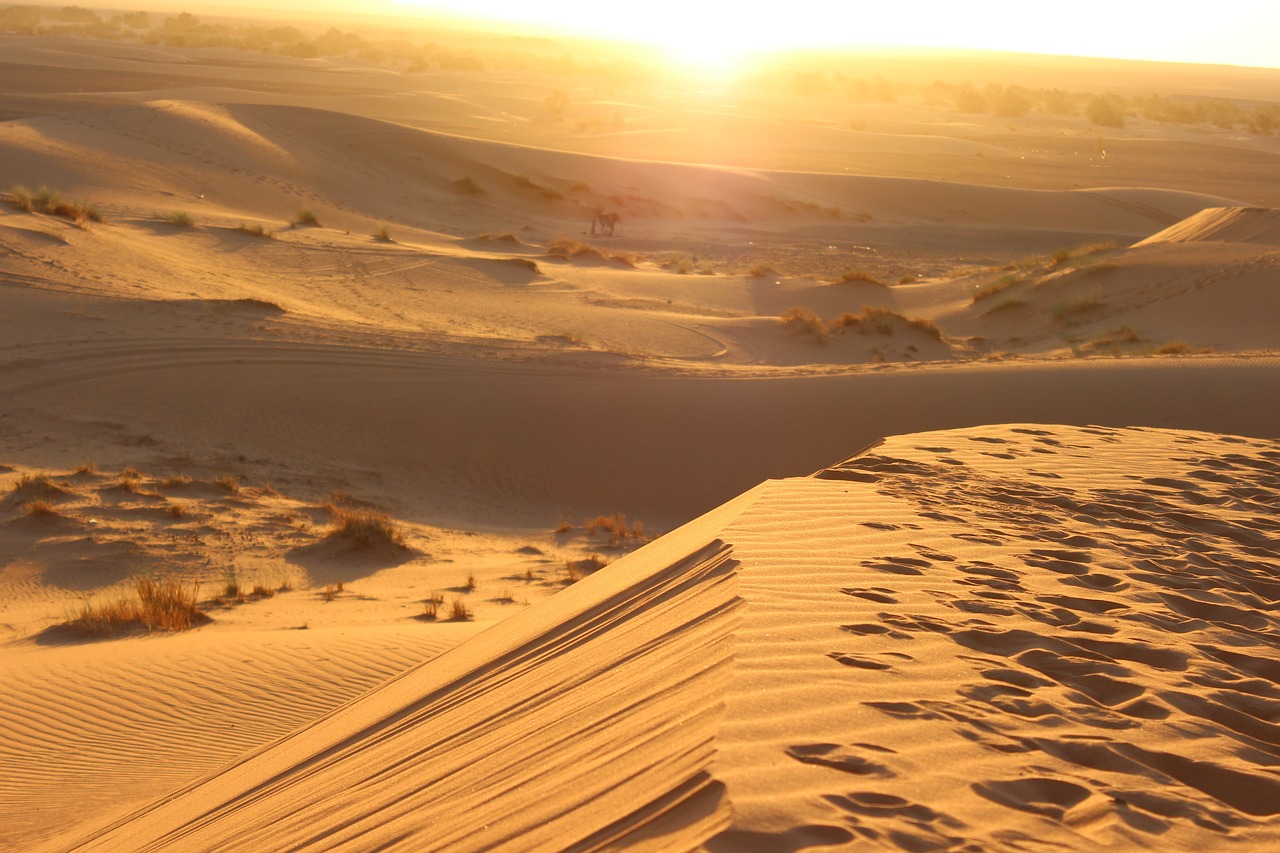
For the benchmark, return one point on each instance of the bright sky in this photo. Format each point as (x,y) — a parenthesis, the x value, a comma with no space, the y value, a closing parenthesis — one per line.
(1232,32)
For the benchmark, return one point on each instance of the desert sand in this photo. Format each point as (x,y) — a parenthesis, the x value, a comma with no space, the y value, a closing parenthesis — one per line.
(627,595)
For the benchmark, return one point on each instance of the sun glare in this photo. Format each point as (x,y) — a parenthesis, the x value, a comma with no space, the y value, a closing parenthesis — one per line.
(710,34)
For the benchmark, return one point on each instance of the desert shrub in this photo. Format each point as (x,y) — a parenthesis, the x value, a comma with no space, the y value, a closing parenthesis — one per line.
(458,611)
(39,509)
(254,230)
(382,235)
(364,527)
(156,604)
(1072,308)
(804,321)
(999,285)
(468,186)
(618,528)
(175,511)
(305,216)
(850,276)
(179,219)
(20,197)
(761,270)
(37,486)
(927,326)
(230,482)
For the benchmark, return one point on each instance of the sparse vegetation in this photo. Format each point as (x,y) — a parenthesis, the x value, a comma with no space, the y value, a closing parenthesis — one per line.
(175,511)
(254,230)
(803,320)
(305,216)
(1180,348)
(382,235)
(431,605)
(458,611)
(470,584)
(564,247)
(37,486)
(468,186)
(851,276)
(230,482)
(761,270)
(365,527)
(331,591)
(618,527)
(156,604)
(39,509)
(179,219)
(1067,311)
(86,468)
(51,202)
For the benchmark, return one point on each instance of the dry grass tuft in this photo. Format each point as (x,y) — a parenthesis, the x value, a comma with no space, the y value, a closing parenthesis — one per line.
(618,528)
(804,321)
(179,219)
(175,511)
(761,270)
(305,216)
(382,235)
(365,527)
(52,203)
(157,604)
(85,468)
(39,509)
(458,611)
(254,230)
(230,482)
(850,276)
(468,186)
(37,486)
(431,605)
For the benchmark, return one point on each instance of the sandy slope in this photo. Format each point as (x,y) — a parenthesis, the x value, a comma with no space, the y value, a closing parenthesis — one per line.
(991,637)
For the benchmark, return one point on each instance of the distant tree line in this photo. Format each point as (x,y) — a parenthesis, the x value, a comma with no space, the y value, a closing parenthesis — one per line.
(1105,110)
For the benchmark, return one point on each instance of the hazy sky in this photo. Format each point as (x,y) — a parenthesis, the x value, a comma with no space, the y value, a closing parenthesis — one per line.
(1233,32)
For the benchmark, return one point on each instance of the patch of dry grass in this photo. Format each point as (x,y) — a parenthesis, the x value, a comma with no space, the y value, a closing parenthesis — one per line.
(458,611)
(618,527)
(52,203)
(366,527)
(39,509)
(156,604)
(851,276)
(803,321)
(305,216)
(254,230)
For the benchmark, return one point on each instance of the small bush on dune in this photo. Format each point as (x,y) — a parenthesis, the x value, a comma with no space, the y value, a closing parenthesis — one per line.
(51,202)
(468,186)
(458,611)
(157,604)
(180,219)
(364,527)
(382,235)
(851,276)
(804,321)
(761,270)
(39,509)
(618,528)
(305,216)
(254,230)
(37,486)
(20,197)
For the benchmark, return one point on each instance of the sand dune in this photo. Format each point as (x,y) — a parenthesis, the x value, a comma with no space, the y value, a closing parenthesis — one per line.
(1224,225)
(1034,613)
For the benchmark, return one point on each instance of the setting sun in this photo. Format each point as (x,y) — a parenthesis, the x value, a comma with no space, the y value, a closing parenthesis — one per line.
(714,34)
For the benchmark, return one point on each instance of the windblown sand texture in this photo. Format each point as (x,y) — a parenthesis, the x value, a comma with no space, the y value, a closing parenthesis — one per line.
(991,638)
(1044,635)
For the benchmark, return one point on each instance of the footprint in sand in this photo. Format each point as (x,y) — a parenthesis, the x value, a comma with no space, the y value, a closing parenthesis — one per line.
(844,758)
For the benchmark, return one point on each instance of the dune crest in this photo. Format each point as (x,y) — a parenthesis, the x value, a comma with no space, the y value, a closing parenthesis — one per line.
(1224,225)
